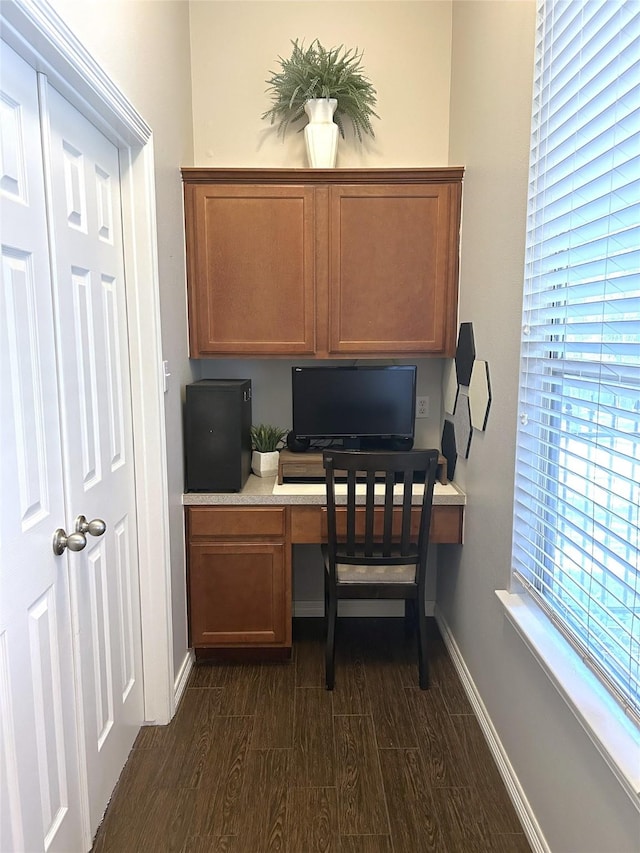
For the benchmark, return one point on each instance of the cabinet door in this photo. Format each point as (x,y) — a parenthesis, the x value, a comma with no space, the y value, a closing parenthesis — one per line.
(238,594)
(251,269)
(393,268)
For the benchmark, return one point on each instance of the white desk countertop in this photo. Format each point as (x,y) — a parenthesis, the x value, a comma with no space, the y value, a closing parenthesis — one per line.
(265,490)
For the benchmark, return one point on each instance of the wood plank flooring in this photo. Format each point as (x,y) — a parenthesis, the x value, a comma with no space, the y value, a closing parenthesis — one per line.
(262,758)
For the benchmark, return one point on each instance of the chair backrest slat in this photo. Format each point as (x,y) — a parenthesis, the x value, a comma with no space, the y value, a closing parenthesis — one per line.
(351,511)
(369,515)
(389,482)
(331,506)
(407,494)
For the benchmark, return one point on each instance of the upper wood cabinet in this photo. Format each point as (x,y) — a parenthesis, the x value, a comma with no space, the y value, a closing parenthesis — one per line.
(322,262)
(251,275)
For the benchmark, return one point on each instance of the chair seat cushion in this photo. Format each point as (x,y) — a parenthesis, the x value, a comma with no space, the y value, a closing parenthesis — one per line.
(373,574)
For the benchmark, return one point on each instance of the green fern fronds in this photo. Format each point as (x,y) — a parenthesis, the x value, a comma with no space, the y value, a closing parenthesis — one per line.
(318,72)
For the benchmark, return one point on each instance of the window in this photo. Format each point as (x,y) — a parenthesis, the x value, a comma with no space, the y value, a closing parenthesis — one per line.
(576,544)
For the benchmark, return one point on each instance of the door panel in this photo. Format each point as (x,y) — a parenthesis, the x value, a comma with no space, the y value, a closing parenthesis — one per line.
(39,789)
(89,297)
(392,288)
(238,594)
(252,275)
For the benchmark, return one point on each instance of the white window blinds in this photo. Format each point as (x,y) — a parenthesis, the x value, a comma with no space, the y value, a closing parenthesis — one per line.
(576,545)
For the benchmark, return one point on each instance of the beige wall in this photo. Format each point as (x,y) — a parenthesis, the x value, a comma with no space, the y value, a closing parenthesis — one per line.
(577,801)
(144,47)
(407,56)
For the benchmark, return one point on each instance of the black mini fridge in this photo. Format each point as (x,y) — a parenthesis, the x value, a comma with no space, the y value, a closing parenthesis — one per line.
(217,435)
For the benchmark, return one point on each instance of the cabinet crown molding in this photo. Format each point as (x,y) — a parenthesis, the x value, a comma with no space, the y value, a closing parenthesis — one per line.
(434,175)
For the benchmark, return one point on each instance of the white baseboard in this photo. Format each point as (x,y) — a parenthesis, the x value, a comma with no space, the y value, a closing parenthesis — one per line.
(180,683)
(527,818)
(357,608)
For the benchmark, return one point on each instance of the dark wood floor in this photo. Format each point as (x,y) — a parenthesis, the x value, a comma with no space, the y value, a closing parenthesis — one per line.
(262,758)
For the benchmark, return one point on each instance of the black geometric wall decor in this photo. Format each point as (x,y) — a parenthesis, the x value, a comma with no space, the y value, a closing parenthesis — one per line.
(465,353)
(462,425)
(479,394)
(449,387)
(466,398)
(448,448)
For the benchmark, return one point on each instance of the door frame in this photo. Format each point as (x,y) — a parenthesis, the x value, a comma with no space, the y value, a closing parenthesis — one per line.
(36,32)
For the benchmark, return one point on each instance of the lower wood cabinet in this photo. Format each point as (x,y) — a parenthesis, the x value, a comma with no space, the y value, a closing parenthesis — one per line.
(239,573)
(239,579)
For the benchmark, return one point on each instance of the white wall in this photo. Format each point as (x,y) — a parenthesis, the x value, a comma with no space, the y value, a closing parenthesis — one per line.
(579,805)
(144,47)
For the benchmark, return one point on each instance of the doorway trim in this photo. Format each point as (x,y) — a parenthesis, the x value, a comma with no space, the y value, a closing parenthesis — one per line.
(35,31)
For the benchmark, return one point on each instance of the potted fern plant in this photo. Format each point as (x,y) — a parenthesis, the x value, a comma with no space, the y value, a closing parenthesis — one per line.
(329,86)
(266,441)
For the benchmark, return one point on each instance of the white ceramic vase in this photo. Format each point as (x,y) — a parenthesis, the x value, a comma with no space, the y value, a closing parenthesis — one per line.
(265,464)
(321,133)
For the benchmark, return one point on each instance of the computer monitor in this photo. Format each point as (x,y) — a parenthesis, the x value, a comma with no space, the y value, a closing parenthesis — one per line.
(362,407)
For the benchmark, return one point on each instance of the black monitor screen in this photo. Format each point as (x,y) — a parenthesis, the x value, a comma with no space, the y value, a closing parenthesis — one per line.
(354,402)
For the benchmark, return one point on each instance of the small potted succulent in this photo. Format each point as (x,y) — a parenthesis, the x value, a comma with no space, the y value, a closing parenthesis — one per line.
(266,441)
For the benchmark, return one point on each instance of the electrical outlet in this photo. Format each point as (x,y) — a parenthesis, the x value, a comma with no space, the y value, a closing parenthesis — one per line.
(422,407)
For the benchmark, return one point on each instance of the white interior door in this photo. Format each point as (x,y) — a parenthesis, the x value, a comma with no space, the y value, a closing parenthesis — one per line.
(71,699)
(90,313)
(39,784)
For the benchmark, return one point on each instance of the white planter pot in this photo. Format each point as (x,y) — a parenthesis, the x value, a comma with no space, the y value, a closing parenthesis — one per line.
(265,464)
(321,134)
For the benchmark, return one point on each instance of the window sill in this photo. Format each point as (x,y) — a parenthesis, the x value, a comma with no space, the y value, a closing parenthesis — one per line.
(612,732)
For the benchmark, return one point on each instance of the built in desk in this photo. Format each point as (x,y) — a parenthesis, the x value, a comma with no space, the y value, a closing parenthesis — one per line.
(239,553)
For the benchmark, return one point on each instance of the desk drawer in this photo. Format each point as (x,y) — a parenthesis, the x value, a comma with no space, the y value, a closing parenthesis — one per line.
(306,524)
(232,521)
(341,522)
(446,524)
(309,523)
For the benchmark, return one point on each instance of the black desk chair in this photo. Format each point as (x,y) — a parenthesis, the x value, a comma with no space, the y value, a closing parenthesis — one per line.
(376,554)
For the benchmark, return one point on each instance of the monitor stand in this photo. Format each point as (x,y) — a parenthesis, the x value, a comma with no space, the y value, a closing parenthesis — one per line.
(352,444)
(301,467)
(307,468)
